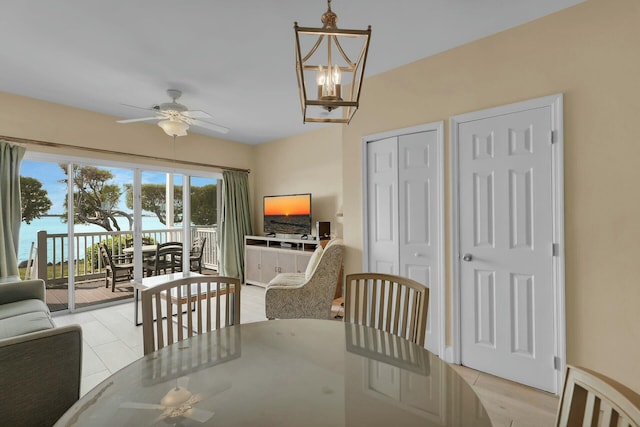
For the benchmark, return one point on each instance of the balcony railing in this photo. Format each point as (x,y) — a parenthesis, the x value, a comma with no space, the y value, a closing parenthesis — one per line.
(52,253)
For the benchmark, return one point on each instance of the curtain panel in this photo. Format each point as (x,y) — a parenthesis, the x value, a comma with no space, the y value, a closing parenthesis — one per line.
(10,211)
(236,223)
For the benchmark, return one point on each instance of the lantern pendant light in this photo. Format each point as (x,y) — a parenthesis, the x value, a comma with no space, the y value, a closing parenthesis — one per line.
(330,66)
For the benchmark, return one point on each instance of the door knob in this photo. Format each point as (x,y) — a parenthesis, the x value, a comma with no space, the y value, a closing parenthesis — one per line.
(467,257)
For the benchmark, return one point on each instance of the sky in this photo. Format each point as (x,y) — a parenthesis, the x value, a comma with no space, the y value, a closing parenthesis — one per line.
(287,205)
(50,175)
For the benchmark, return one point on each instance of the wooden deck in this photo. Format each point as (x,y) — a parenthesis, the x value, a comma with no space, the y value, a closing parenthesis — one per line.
(92,292)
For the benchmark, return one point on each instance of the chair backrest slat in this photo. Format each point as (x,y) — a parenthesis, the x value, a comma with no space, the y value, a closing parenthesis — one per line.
(373,309)
(217,311)
(179,310)
(405,309)
(395,314)
(169,316)
(199,307)
(390,292)
(208,303)
(358,308)
(159,325)
(411,299)
(391,303)
(166,305)
(592,399)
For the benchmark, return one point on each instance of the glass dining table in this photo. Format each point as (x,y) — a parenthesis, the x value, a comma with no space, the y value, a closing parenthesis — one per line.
(301,372)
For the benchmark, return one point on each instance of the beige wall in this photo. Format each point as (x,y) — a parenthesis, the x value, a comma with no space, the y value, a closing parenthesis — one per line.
(28,118)
(307,163)
(591,54)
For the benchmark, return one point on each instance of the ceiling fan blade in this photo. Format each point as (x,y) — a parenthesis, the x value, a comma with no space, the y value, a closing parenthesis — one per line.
(210,126)
(137,405)
(144,119)
(139,108)
(197,114)
(199,415)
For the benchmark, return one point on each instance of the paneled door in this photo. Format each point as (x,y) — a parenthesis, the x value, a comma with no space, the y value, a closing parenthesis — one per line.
(382,206)
(506,238)
(403,214)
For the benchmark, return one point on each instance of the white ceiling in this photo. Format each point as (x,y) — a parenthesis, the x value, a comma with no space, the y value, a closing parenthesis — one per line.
(232,59)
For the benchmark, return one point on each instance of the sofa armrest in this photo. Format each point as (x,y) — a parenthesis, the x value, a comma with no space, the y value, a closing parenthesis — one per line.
(21,290)
(40,375)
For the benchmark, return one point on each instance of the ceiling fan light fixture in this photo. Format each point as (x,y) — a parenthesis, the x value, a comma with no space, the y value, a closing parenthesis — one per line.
(174,127)
(175,119)
(330,68)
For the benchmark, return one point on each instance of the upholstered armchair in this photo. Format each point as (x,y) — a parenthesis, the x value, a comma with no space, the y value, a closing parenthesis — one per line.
(309,294)
(40,363)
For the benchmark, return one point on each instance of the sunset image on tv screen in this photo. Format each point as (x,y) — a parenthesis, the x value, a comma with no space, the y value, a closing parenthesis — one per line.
(287,205)
(287,214)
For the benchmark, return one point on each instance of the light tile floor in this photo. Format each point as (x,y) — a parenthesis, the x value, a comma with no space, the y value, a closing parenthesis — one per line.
(111,342)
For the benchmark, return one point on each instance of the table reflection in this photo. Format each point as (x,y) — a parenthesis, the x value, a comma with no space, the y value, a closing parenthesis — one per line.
(284,373)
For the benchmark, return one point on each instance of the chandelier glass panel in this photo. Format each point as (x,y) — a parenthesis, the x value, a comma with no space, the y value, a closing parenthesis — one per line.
(330,67)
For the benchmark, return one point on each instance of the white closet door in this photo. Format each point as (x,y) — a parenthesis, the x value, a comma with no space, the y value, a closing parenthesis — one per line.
(418,228)
(382,197)
(403,179)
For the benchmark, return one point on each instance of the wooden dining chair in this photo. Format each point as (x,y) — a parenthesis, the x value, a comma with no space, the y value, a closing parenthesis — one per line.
(394,304)
(180,308)
(592,399)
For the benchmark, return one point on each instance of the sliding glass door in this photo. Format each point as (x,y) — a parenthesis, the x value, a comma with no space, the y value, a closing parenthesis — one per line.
(79,205)
(43,249)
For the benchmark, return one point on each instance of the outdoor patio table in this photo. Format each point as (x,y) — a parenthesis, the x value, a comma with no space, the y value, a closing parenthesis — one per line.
(297,372)
(147,250)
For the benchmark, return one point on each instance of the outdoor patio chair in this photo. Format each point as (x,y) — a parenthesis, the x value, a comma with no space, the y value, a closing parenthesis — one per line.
(168,259)
(195,257)
(117,267)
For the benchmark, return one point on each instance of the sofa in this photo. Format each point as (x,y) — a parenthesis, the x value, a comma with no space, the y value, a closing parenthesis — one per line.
(40,363)
(309,294)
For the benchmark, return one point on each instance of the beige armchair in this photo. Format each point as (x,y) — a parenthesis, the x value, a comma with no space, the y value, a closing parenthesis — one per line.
(309,294)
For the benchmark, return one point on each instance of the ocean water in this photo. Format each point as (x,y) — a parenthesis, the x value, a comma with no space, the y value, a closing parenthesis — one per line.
(287,224)
(54,225)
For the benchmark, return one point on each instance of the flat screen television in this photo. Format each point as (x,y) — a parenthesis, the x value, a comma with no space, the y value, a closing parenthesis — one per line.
(287,214)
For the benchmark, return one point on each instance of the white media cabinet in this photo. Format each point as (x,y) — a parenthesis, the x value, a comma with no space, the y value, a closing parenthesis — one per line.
(264,257)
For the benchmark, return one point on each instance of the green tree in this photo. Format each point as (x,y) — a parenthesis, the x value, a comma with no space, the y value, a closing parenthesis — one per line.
(203,202)
(154,200)
(204,205)
(34,199)
(95,199)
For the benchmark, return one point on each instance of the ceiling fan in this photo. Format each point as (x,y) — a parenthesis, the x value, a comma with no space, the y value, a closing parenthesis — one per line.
(175,118)
(179,402)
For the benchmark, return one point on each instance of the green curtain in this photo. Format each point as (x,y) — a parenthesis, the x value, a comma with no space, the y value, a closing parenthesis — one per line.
(236,223)
(10,214)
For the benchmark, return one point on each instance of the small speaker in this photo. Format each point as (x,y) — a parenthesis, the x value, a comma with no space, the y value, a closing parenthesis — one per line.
(323,230)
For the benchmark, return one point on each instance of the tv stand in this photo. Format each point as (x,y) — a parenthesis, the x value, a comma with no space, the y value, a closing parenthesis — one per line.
(266,256)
